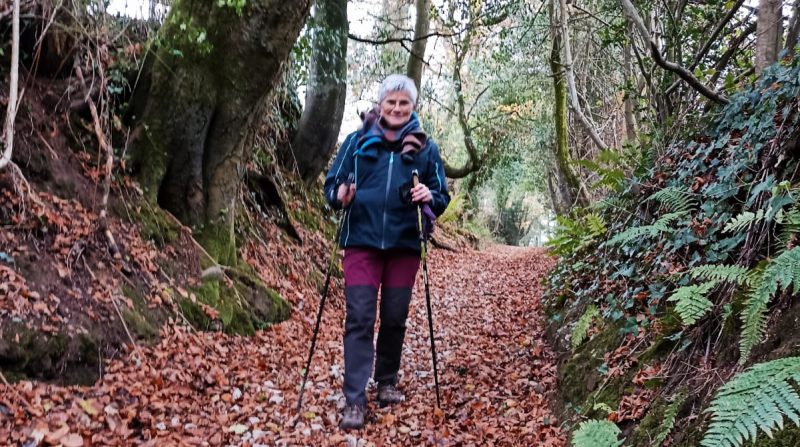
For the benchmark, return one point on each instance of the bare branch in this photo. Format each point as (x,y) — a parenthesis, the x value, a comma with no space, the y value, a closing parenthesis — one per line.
(11,112)
(401,39)
(733,47)
(684,74)
(573,94)
(109,164)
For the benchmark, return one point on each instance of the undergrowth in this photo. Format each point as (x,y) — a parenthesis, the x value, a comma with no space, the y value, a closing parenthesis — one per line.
(707,232)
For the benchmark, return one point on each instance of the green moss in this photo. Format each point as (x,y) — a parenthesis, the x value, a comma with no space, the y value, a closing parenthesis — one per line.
(194,314)
(243,308)
(27,353)
(308,216)
(138,325)
(579,380)
(156,226)
(139,318)
(224,300)
(219,241)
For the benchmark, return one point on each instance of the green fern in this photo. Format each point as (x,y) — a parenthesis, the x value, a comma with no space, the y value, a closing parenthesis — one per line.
(595,433)
(692,303)
(790,226)
(744,220)
(657,228)
(670,414)
(675,200)
(723,273)
(782,271)
(595,225)
(612,203)
(582,326)
(758,398)
(573,234)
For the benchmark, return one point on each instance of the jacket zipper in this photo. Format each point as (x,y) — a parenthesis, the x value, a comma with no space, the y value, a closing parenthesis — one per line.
(386,200)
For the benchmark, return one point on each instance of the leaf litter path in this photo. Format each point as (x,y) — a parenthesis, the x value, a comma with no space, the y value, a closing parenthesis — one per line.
(214,389)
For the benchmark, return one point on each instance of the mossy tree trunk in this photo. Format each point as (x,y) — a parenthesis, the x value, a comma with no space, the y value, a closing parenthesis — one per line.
(572,193)
(325,95)
(213,71)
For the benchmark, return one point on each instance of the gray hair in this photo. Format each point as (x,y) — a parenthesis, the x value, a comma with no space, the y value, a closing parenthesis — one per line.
(397,83)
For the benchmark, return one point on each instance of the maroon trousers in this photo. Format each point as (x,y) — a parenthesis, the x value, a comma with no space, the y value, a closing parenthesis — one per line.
(366,271)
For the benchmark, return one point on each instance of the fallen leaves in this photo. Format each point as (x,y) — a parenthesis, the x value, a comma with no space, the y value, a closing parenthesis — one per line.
(190,388)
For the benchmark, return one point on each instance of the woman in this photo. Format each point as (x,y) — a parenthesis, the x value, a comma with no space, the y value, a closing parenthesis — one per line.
(380,237)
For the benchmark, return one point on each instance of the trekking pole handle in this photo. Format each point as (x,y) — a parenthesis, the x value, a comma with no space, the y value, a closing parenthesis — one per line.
(415,177)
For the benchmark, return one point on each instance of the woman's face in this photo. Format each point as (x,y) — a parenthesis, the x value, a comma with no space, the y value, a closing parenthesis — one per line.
(396,109)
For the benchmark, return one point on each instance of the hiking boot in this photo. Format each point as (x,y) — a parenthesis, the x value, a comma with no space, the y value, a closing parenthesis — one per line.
(388,395)
(353,417)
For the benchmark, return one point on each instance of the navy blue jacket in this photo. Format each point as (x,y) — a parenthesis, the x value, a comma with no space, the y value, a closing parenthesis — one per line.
(380,216)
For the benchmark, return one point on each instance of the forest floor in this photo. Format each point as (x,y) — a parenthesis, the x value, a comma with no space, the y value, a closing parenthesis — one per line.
(214,389)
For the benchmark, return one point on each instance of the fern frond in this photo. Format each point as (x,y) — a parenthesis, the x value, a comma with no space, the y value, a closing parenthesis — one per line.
(596,433)
(782,271)
(595,224)
(790,226)
(669,419)
(723,273)
(611,203)
(757,399)
(674,199)
(744,220)
(653,230)
(582,326)
(691,301)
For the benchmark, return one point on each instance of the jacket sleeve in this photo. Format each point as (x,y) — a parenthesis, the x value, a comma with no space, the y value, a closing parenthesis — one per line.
(341,168)
(436,181)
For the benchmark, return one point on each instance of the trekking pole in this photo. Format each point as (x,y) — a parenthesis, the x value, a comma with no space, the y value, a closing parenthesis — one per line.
(423,245)
(323,298)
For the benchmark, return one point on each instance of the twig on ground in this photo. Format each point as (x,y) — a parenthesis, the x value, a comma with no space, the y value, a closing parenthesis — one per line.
(19,396)
(109,165)
(121,319)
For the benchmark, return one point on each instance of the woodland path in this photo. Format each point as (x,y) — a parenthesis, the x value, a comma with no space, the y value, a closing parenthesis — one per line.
(213,389)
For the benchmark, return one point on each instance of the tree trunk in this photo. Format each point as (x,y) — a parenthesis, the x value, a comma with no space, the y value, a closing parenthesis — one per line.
(210,82)
(794,28)
(630,96)
(564,171)
(768,33)
(421,29)
(325,94)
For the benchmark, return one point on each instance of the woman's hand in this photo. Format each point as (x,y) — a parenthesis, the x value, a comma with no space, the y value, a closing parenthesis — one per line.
(346,193)
(421,194)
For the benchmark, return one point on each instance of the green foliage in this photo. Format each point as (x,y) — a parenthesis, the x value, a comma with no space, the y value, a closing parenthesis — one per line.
(674,199)
(789,226)
(581,328)
(744,220)
(609,167)
(573,234)
(782,271)
(595,433)
(723,273)
(656,229)
(757,399)
(692,303)
(183,37)
(669,419)
(236,5)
